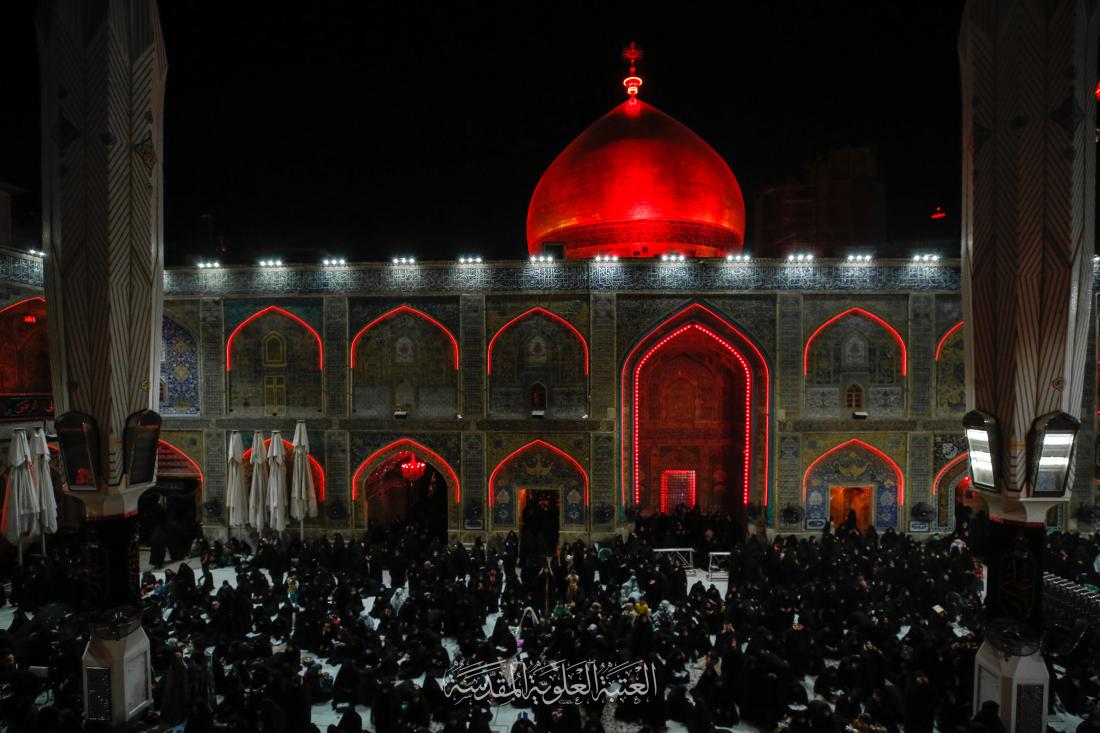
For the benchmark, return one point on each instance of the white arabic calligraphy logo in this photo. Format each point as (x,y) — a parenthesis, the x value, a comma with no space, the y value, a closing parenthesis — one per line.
(553,682)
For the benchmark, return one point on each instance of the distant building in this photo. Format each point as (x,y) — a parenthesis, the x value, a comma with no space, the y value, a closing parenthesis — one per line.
(835,206)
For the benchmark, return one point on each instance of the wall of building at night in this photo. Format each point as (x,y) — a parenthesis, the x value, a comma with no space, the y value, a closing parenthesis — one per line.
(728,356)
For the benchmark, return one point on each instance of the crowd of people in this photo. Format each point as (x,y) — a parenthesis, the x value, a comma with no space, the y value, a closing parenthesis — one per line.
(815,634)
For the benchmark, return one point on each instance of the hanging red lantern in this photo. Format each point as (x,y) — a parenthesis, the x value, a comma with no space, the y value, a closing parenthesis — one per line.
(412,469)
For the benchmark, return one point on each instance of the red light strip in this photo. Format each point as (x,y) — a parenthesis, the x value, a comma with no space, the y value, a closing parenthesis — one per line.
(865,314)
(289,448)
(665,475)
(288,314)
(548,314)
(397,311)
(22,302)
(533,443)
(181,454)
(942,471)
(867,446)
(767,390)
(953,329)
(748,400)
(405,445)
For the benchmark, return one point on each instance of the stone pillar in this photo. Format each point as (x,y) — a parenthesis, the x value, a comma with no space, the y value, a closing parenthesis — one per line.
(103,70)
(1029,156)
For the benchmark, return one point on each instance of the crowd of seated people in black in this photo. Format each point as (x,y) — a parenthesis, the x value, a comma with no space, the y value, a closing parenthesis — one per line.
(816,634)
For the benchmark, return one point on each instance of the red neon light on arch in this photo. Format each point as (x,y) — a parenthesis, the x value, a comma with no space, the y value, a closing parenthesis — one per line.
(953,329)
(280,311)
(397,311)
(942,471)
(288,447)
(748,401)
(865,314)
(866,446)
(7,308)
(533,311)
(184,456)
(532,444)
(405,445)
(767,387)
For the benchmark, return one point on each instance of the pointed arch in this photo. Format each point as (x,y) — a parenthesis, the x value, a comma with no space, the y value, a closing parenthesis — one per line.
(943,471)
(746,372)
(943,340)
(866,446)
(397,311)
(866,314)
(537,310)
(315,467)
(406,445)
(282,312)
(167,448)
(38,298)
(688,312)
(536,443)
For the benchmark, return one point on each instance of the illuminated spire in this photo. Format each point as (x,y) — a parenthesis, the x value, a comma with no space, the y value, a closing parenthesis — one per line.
(633,54)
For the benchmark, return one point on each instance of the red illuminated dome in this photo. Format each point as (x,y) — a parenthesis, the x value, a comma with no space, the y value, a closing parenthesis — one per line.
(637,183)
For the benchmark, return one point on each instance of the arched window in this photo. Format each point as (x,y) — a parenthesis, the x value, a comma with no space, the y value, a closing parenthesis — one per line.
(163,392)
(274,350)
(853,397)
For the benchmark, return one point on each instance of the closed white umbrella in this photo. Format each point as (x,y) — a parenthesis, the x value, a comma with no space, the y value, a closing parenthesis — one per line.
(303,500)
(47,502)
(257,503)
(276,482)
(21,502)
(236,493)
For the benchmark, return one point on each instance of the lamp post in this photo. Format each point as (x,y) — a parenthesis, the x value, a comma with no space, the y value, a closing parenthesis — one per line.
(1009,668)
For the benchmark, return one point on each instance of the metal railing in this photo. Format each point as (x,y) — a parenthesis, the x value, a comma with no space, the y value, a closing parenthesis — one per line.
(686,556)
(718,566)
(1065,601)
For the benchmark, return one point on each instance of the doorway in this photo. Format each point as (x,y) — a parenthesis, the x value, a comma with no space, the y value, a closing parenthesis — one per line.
(391,496)
(540,517)
(846,502)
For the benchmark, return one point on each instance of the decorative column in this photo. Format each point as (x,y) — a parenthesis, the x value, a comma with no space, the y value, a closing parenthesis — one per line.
(103,71)
(1028,78)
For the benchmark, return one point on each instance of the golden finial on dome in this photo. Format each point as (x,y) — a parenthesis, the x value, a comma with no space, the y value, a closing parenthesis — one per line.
(633,54)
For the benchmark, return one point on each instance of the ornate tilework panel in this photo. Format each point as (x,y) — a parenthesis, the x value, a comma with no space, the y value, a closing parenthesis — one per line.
(921,354)
(853,465)
(918,485)
(538,467)
(788,478)
(336,357)
(410,361)
(276,369)
(602,375)
(472,341)
(310,310)
(860,363)
(473,475)
(604,491)
(710,276)
(789,368)
(213,359)
(538,364)
(337,470)
(179,370)
(214,465)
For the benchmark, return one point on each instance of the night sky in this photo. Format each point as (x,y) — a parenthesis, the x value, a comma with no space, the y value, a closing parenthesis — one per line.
(371,129)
